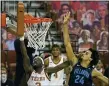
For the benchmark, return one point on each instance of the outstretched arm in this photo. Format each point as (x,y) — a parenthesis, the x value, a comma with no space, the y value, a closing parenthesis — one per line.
(26,60)
(100,76)
(58,68)
(70,53)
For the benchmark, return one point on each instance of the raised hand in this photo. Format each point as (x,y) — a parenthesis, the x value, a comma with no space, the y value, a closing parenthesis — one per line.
(66,18)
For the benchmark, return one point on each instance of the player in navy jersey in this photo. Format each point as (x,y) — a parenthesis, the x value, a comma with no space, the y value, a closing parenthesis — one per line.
(80,76)
(83,71)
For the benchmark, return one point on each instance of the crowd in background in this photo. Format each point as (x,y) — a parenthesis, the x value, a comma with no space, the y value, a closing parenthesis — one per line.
(89,20)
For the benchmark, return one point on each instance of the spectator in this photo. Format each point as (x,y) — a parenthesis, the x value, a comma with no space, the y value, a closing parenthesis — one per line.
(102,12)
(5,81)
(64,9)
(100,67)
(76,28)
(95,34)
(56,5)
(4,34)
(89,20)
(9,44)
(83,11)
(102,44)
(85,42)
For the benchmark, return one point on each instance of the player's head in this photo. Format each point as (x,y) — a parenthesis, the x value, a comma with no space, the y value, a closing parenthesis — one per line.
(55,50)
(38,63)
(90,55)
(3,74)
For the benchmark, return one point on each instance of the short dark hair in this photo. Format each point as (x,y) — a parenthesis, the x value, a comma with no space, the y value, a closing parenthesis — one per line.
(69,7)
(55,46)
(94,56)
(38,62)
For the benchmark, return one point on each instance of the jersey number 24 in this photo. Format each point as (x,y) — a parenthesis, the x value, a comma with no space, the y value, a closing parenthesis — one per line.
(79,79)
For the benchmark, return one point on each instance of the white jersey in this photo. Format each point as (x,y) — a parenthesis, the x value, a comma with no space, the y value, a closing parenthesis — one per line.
(56,79)
(37,79)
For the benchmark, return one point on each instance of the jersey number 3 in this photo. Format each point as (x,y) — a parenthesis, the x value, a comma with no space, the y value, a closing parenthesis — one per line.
(79,79)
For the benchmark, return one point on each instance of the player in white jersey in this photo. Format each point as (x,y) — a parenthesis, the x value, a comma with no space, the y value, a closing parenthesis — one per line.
(38,79)
(37,75)
(56,79)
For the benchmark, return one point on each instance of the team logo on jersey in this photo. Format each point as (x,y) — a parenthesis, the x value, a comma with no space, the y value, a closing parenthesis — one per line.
(81,74)
(38,78)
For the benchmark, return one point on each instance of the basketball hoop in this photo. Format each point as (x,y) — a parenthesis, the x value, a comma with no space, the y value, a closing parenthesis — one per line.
(36,31)
(37,20)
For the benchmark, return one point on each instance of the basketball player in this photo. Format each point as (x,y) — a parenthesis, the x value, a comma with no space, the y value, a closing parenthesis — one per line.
(38,75)
(56,79)
(83,71)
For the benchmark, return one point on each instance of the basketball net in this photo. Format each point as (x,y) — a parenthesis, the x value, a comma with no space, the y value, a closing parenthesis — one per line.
(36,34)
(36,31)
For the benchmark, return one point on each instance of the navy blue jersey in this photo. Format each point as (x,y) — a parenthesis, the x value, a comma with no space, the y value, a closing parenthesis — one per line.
(80,76)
